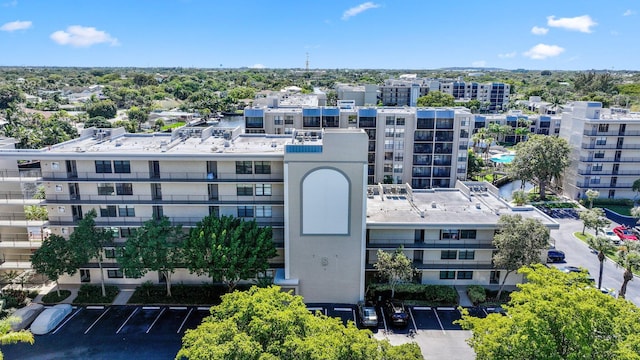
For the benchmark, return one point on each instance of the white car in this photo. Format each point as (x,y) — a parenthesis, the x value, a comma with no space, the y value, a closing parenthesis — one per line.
(609,234)
(50,318)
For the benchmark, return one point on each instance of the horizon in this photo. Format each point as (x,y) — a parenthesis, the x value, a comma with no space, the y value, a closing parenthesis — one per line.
(358,35)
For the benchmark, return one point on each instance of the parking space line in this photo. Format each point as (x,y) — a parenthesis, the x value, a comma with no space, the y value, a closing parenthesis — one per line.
(413,320)
(66,321)
(177,308)
(353,312)
(98,319)
(421,308)
(156,320)
(125,322)
(485,312)
(203,308)
(95,307)
(342,309)
(439,322)
(184,321)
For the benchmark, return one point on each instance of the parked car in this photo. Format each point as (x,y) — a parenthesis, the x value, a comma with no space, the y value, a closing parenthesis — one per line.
(609,291)
(368,315)
(50,318)
(625,233)
(26,315)
(570,269)
(396,313)
(554,255)
(609,234)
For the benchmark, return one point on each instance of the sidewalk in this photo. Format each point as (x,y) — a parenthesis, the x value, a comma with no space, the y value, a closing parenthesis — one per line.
(462,295)
(126,291)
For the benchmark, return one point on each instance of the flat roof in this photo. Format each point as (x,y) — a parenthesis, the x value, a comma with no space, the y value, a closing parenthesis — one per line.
(400,205)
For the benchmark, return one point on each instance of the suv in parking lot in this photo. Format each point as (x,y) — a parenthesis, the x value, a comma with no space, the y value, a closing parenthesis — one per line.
(396,313)
(554,255)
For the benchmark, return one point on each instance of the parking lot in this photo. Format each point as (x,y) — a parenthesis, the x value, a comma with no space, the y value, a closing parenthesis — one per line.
(145,332)
(114,332)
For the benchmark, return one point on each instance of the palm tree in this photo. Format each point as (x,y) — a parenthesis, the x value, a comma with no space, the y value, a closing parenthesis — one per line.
(13,337)
(629,258)
(602,245)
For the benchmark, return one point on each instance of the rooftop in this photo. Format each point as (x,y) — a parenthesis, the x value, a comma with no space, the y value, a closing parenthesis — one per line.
(468,203)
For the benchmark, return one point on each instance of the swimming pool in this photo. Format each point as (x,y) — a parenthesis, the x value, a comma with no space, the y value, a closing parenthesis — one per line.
(503,158)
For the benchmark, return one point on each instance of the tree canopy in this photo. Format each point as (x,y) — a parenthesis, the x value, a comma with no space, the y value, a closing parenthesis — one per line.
(556,315)
(518,243)
(593,219)
(105,108)
(156,246)
(266,323)
(541,158)
(394,267)
(228,249)
(436,98)
(54,258)
(8,336)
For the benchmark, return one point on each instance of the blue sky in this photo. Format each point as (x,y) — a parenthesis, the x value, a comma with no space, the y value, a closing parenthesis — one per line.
(381,34)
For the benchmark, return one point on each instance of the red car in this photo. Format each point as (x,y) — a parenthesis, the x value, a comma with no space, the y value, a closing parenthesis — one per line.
(625,233)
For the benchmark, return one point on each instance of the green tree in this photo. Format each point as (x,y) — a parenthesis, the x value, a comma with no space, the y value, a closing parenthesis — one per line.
(87,242)
(228,249)
(591,195)
(556,316)
(9,95)
(36,212)
(98,122)
(541,158)
(436,99)
(156,246)
(54,258)
(138,115)
(602,245)
(105,108)
(635,212)
(518,243)
(266,323)
(8,336)
(475,164)
(394,267)
(519,197)
(593,219)
(629,259)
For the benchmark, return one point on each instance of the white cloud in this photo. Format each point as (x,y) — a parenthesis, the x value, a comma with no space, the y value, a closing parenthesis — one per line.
(543,51)
(358,9)
(579,23)
(479,63)
(257,66)
(82,36)
(16,25)
(507,55)
(537,30)
(629,12)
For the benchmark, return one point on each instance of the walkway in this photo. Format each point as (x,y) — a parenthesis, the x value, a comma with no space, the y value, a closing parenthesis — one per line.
(126,291)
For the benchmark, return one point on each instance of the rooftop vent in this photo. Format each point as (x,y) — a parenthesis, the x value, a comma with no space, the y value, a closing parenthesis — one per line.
(434,205)
(478,205)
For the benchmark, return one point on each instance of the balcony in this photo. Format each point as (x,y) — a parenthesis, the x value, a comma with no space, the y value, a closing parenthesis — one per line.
(603,185)
(410,245)
(20,221)
(138,221)
(611,133)
(609,159)
(20,176)
(608,172)
(449,265)
(166,199)
(17,198)
(167,177)
(15,262)
(609,146)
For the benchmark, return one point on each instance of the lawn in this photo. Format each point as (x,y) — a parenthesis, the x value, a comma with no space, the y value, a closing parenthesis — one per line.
(172,126)
(620,209)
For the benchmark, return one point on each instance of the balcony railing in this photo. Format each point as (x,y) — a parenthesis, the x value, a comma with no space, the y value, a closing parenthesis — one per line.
(608,172)
(6,175)
(611,133)
(139,221)
(410,245)
(610,146)
(603,185)
(449,265)
(609,159)
(166,199)
(166,176)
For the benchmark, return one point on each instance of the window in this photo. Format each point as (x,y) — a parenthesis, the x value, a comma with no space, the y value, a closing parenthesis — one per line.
(447,275)
(263,189)
(244,190)
(595,180)
(603,127)
(448,254)
(114,231)
(263,211)
(465,275)
(245,211)
(112,253)
(601,141)
(121,166)
(127,232)
(599,155)
(467,234)
(449,234)
(597,167)
(244,167)
(466,255)
(126,211)
(108,211)
(124,189)
(214,211)
(115,274)
(106,189)
(263,167)
(103,167)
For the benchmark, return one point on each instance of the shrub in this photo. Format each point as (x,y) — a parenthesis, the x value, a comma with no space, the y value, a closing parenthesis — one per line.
(600,201)
(477,294)
(433,294)
(52,297)
(92,294)
(14,298)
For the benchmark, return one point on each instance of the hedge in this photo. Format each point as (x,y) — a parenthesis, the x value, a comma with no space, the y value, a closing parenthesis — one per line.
(477,294)
(436,294)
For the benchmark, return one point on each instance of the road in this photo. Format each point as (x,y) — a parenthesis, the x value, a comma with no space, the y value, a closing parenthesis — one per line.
(578,254)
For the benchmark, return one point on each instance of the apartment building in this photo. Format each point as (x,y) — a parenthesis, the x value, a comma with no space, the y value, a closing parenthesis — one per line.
(309,186)
(605,146)
(535,124)
(494,94)
(425,147)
